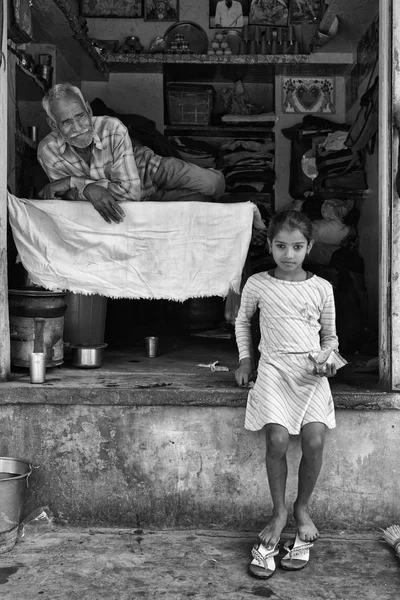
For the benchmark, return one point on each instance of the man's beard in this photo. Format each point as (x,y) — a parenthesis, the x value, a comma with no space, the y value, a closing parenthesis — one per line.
(82,140)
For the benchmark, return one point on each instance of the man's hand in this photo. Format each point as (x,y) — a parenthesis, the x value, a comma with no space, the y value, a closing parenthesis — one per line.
(104,203)
(56,189)
(243,373)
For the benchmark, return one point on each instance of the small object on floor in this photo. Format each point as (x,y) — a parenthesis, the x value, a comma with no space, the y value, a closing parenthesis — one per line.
(263,565)
(151,346)
(213,366)
(298,554)
(218,334)
(371,366)
(392,537)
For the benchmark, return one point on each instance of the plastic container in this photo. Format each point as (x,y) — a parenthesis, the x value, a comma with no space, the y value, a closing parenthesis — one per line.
(189,104)
(14,473)
(85,319)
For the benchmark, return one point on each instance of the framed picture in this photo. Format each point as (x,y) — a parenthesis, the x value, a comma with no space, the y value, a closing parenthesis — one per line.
(269,12)
(228,14)
(306,11)
(161,10)
(313,95)
(133,9)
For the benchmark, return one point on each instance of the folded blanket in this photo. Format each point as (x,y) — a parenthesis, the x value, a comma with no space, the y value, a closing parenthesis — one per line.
(170,250)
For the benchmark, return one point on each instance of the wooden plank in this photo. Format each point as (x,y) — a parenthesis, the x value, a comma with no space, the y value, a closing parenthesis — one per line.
(4,323)
(390,219)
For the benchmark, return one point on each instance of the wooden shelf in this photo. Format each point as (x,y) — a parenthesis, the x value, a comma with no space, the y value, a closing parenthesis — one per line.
(137,62)
(255,131)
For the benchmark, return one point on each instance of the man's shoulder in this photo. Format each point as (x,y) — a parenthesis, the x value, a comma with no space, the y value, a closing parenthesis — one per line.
(49,142)
(106,123)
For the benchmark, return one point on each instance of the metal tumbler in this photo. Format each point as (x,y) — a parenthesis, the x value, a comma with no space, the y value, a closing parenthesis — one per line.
(151,344)
(37,367)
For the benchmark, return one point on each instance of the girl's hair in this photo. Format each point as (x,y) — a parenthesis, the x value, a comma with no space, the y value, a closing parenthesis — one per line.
(59,91)
(290,219)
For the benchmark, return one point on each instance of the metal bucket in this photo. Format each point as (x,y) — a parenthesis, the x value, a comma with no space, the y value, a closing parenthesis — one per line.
(14,474)
(36,325)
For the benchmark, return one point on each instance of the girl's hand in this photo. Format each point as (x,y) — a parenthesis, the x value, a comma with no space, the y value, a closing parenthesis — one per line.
(244,371)
(328,370)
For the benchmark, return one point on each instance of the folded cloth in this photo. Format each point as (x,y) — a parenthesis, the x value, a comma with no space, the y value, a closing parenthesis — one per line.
(170,250)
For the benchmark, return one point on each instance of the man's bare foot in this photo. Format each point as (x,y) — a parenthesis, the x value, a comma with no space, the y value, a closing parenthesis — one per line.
(272,532)
(305,526)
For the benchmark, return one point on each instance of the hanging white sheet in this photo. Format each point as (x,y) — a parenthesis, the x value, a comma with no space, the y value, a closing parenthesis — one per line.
(170,250)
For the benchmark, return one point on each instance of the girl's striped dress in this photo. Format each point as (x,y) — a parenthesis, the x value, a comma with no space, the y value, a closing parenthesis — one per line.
(296,317)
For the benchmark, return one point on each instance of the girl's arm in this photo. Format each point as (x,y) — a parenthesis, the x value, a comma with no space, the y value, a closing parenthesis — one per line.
(248,306)
(329,339)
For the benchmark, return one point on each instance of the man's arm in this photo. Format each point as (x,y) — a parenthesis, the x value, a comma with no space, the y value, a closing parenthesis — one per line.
(218,15)
(123,182)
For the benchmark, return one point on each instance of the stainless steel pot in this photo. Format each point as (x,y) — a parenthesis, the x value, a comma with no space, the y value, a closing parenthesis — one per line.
(88,356)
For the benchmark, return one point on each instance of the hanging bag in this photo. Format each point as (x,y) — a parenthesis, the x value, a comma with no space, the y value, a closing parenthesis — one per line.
(364,130)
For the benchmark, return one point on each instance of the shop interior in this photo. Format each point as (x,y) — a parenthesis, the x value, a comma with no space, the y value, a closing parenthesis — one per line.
(300,87)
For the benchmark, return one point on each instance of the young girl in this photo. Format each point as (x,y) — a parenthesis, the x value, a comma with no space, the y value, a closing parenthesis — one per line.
(290,395)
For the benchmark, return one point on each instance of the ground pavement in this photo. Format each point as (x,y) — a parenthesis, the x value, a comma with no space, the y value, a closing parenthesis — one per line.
(72,563)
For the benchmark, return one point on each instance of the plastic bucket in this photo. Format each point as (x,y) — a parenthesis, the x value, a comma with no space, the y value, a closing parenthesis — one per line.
(85,319)
(14,473)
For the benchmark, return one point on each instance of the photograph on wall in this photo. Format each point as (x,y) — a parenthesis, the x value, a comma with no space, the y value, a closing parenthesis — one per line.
(133,9)
(269,12)
(228,14)
(368,50)
(313,95)
(306,11)
(161,10)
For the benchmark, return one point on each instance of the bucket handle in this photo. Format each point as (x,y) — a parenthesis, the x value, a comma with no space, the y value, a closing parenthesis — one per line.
(31,467)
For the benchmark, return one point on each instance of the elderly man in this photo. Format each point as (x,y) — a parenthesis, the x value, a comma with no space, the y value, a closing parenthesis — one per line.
(92,159)
(228,13)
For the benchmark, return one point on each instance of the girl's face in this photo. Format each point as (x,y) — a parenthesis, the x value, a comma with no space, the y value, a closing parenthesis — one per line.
(289,248)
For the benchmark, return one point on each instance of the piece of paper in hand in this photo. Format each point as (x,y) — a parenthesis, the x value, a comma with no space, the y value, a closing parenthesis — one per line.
(334,358)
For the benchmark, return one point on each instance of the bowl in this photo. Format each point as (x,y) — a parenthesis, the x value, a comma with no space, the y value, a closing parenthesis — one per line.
(88,356)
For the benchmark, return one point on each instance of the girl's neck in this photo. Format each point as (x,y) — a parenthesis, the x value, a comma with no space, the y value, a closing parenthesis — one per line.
(298,275)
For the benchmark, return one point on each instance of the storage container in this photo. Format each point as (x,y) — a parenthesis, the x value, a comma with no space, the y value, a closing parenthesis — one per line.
(189,104)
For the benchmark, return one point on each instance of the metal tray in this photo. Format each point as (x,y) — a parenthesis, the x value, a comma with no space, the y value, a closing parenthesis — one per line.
(195,36)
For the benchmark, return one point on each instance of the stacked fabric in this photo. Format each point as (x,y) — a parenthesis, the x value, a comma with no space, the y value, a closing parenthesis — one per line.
(248,165)
(196,151)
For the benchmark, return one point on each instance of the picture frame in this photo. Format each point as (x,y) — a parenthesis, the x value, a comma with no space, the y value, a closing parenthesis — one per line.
(306,11)
(308,95)
(132,9)
(274,13)
(161,10)
(221,16)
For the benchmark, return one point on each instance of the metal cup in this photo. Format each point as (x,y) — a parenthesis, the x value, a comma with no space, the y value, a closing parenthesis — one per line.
(33,132)
(151,344)
(37,367)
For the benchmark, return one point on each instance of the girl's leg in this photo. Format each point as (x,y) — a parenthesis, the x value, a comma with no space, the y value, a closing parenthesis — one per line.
(312,442)
(277,438)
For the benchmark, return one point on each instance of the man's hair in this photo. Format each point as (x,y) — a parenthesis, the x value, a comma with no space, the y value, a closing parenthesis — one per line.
(59,91)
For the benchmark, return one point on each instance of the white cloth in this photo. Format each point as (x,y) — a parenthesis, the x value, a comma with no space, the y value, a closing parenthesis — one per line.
(170,250)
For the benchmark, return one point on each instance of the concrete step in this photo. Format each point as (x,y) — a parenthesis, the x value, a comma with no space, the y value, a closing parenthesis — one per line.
(129,564)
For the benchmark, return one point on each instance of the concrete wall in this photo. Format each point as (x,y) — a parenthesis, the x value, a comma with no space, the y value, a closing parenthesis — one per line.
(167,466)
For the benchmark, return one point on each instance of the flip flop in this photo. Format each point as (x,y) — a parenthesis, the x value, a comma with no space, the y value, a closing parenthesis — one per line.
(298,554)
(263,565)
